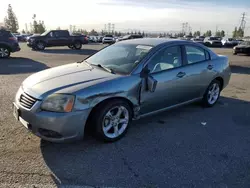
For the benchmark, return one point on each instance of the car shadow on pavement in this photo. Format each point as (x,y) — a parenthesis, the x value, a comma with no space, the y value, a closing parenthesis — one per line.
(70,51)
(240,69)
(178,147)
(20,65)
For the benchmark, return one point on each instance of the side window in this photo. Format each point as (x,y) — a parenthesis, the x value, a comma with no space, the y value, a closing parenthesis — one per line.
(63,33)
(51,34)
(195,54)
(167,58)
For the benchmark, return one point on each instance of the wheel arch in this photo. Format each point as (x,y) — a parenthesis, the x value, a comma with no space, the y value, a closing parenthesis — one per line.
(6,46)
(93,110)
(220,79)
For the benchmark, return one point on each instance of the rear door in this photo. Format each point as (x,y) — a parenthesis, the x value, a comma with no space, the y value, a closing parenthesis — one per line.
(198,71)
(63,38)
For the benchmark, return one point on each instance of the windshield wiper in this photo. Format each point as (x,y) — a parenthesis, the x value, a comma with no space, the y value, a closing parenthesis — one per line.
(105,68)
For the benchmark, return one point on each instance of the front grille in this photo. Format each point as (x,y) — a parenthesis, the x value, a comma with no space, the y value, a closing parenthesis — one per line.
(27,101)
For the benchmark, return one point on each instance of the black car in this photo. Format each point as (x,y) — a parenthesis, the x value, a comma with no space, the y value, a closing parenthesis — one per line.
(8,43)
(128,37)
(57,38)
(242,48)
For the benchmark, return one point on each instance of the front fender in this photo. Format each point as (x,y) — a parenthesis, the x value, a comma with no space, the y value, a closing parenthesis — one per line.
(127,88)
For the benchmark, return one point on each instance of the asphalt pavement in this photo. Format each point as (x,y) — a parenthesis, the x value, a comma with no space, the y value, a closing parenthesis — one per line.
(187,147)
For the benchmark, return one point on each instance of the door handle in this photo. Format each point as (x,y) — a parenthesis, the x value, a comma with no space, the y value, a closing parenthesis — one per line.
(181,74)
(210,67)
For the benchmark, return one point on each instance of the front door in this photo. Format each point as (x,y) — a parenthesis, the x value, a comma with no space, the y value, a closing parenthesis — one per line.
(166,67)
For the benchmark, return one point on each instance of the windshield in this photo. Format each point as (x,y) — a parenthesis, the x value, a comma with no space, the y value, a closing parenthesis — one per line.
(108,36)
(245,43)
(121,58)
(45,33)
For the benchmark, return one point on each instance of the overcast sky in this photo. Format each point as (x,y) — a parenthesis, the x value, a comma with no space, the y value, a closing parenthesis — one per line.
(148,15)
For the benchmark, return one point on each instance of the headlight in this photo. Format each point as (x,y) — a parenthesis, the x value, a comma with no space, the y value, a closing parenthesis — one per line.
(58,103)
(234,47)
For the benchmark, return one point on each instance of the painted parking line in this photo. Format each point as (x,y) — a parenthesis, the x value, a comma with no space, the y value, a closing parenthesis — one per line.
(19,66)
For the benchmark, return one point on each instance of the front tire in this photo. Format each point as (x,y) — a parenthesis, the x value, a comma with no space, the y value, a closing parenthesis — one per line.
(112,120)
(4,52)
(40,45)
(212,94)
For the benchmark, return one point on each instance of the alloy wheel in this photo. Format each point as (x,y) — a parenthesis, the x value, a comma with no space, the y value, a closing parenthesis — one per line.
(213,93)
(4,52)
(115,121)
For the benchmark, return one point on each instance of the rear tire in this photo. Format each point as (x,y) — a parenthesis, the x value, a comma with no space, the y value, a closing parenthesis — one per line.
(4,52)
(77,45)
(212,94)
(109,125)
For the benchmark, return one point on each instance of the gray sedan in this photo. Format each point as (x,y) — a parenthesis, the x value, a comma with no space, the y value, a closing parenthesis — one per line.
(125,81)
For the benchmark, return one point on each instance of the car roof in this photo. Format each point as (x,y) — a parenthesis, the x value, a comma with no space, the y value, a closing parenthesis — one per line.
(151,41)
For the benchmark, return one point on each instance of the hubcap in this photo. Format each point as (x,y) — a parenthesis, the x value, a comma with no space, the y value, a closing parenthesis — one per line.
(213,93)
(40,45)
(4,52)
(77,45)
(115,121)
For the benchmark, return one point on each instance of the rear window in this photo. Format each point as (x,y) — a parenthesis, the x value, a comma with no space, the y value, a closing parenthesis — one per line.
(108,36)
(6,33)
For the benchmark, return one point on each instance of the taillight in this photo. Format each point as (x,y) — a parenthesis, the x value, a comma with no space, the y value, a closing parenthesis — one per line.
(85,38)
(13,38)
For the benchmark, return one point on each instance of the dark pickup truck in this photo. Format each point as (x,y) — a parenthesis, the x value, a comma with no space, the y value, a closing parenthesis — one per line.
(56,38)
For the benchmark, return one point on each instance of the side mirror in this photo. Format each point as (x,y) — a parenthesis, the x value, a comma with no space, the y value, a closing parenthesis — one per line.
(149,82)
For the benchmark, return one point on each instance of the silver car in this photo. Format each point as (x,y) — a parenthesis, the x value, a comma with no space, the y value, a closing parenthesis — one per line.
(125,81)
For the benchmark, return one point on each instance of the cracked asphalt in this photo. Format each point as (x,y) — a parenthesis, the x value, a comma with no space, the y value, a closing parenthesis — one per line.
(188,147)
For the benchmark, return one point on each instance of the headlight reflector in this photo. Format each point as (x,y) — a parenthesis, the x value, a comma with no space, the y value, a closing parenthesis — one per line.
(58,103)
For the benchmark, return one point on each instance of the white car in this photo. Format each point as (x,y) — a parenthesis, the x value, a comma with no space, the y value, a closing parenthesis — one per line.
(229,42)
(108,39)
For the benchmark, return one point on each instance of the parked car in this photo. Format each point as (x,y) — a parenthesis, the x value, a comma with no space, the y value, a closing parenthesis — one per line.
(21,38)
(128,37)
(127,80)
(229,42)
(242,48)
(213,41)
(109,39)
(197,40)
(56,38)
(99,38)
(8,43)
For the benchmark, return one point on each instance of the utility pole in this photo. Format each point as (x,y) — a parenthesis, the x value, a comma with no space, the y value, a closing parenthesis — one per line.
(109,27)
(216,29)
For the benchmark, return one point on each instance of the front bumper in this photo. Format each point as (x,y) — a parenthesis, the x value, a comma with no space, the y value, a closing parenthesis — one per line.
(52,126)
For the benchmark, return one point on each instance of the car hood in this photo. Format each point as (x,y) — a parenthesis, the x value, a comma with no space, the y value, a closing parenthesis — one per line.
(108,38)
(62,77)
(243,46)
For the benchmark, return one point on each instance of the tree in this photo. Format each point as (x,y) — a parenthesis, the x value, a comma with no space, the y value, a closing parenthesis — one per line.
(217,33)
(235,32)
(11,22)
(38,27)
(93,32)
(23,31)
(238,32)
(139,33)
(222,33)
(190,33)
(41,27)
(197,33)
(59,28)
(208,33)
